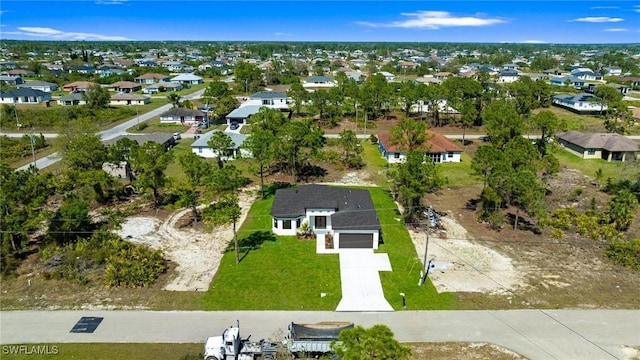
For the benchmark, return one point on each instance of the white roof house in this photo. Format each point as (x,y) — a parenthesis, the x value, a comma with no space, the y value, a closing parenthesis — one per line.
(187,78)
(200,147)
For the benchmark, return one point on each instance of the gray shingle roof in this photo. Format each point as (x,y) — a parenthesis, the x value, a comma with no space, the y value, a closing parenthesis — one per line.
(606,141)
(24,92)
(268,95)
(238,139)
(354,207)
(244,112)
(182,112)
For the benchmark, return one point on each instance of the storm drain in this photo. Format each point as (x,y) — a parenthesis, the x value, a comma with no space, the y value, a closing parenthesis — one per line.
(86,325)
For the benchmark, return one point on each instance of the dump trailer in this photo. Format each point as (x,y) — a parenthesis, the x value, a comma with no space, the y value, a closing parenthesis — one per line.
(313,339)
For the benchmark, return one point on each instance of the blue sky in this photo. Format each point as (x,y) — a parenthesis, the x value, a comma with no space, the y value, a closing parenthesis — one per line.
(586,21)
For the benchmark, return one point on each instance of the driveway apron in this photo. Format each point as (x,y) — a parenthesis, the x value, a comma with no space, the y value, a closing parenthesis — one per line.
(361,287)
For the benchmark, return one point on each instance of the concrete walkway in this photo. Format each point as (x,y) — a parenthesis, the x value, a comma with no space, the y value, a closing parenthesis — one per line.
(361,287)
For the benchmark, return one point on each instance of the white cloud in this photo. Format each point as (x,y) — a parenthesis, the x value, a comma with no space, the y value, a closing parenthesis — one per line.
(533,42)
(435,20)
(616,30)
(604,7)
(597,19)
(57,34)
(283,34)
(637,8)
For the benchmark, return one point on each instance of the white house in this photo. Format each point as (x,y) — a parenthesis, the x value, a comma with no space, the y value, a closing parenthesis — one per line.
(187,78)
(438,148)
(200,147)
(339,217)
(39,85)
(319,82)
(270,99)
(387,75)
(508,76)
(24,96)
(129,99)
(182,116)
(580,103)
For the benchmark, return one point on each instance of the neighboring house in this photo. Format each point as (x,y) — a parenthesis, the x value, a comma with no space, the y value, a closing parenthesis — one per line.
(443,75)
(74,98)
(387,75)
(270,99)
(125,86)
(183,116)
(634,81)
(151,78)
(580,103)
(19,73)
(428,80)
(129,99)
(187,79)
(242,114)
(165,139)
(83,69)
(442,106)
(162,87)
(587,75)
(567,81)
(606,146)
(39,85)
(440,149)
(11,80)
(508,76)
(120,171)
(78,86)
(200,147)
(24,96)
(613,71)
(319,82)
(340,217)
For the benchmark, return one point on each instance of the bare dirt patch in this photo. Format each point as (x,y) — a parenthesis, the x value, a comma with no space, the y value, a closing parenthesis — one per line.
(460,351)
(196,253)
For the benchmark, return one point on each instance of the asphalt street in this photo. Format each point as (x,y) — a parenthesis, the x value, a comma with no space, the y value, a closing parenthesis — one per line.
(536,334)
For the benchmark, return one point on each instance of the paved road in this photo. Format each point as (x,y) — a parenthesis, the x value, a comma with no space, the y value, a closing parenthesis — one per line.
(111,133)
(536,334)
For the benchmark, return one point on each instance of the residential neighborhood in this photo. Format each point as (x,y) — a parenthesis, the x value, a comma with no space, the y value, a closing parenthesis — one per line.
(339,177)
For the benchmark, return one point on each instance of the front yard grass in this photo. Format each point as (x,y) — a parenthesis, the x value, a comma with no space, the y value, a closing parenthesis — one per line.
(589,166)
(107,351)
(287,274)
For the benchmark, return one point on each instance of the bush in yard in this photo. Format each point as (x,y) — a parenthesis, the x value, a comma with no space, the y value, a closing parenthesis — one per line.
(625,253)
(133,266)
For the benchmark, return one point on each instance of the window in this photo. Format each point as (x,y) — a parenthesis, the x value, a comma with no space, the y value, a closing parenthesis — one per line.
(591,151)
(396,155)
(450,154)
(275,223)
(320,222)
(286,224)
(298,223)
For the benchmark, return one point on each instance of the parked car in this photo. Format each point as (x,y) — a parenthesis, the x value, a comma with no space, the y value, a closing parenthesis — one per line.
(176,136)
(234,125)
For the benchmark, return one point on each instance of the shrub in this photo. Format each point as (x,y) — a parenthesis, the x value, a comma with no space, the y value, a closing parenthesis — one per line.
(133,266)
(625,253)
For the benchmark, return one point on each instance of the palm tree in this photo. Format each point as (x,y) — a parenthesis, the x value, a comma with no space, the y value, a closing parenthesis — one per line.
(174,99)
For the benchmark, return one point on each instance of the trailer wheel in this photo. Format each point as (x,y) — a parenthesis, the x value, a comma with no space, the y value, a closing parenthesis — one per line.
(211,358)
(268,357)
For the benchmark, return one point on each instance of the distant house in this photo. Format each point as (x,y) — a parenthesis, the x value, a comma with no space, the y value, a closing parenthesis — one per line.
(24,96)
(242,114)
(606,146)
(580,103)
(587,75)
(151,78)
(39,85)
(11,80)
(19,73)
(125,86)
(187,79)
(567,81)
(200,147)
(71,99)
(129,99)
(339,217)
(428,80)
(162,87)
(508,76)
(440,149)
(443,75)
(613,71)
(183,116)
(78,86)
(165,139)
(634,81)
(83,69)
(270,99)
(322,82)
(387,75)
(442,106)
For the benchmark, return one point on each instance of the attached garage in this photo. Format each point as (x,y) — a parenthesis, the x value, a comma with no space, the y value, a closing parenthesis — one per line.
(356,241)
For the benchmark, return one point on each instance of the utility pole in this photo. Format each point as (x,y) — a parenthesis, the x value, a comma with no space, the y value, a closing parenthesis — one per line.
(15,108)
(33,151)
(426,266)
(138,116)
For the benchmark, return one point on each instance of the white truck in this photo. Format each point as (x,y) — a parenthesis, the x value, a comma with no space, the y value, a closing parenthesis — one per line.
(300,340)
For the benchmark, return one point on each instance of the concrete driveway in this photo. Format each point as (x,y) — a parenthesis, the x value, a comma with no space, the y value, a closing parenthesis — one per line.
(360,279)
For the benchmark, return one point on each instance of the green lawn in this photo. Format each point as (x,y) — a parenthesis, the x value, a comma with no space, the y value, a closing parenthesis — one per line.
(287,274)
(459,174)
(590,166)
(105,351)
(154,125)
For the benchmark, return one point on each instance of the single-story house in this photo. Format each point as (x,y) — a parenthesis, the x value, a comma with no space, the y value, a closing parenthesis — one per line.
(567,81)
(320,82)
(242,114)
(162,87)
(162,138)
(340,217)
(24,96)
(78,86)
(440,149)
(442,106)
(581,103)
(508,76)
(606,146)
(200,147)
(39,85)
(74,98)
(11,80)
(19,73)
(125,86)
(634,81)
(182,116)
(150,78)
(129,99)
(587,75)
(187,79)
(387,75)
(270,99)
